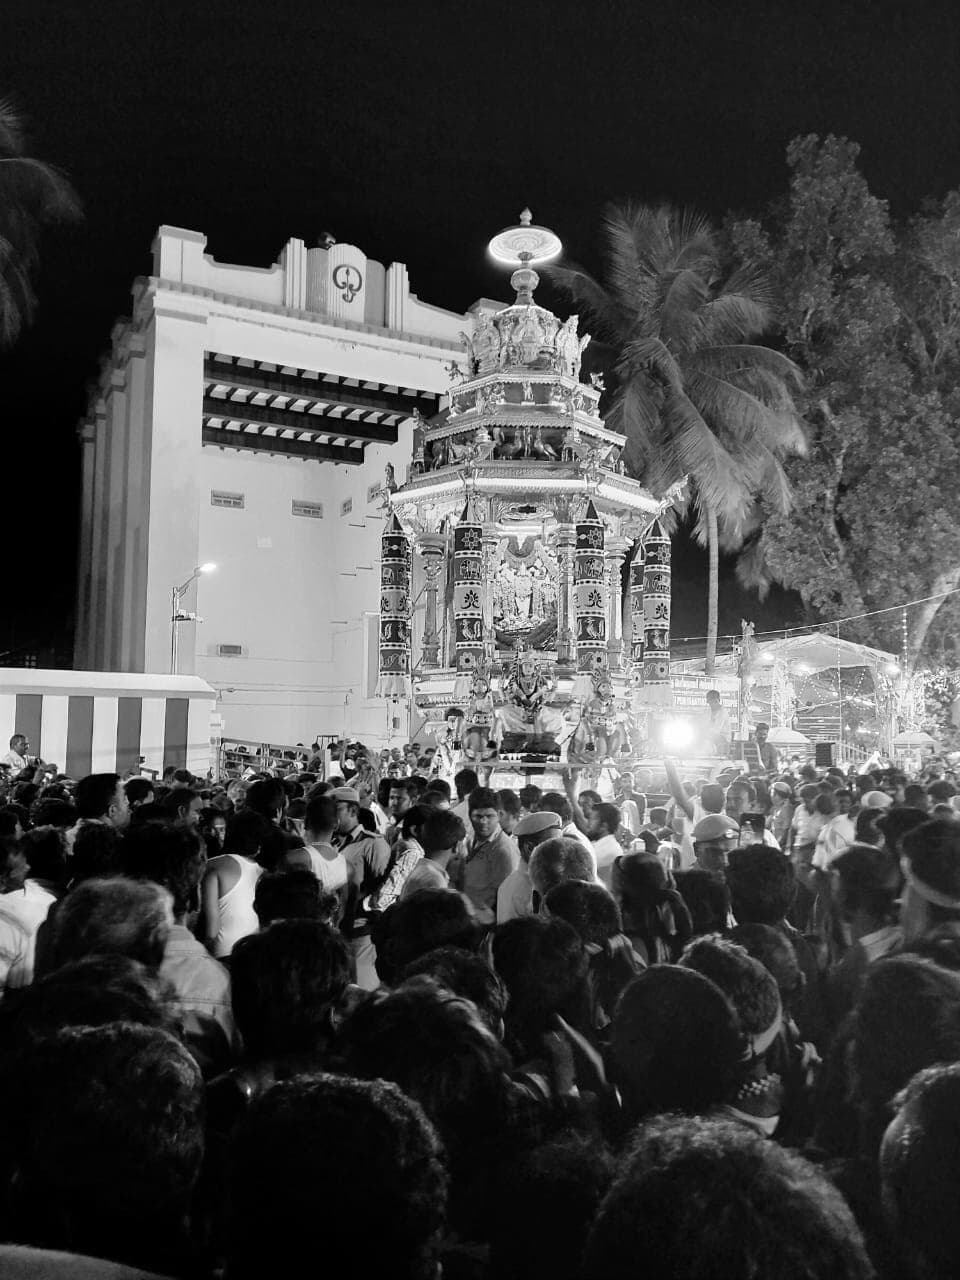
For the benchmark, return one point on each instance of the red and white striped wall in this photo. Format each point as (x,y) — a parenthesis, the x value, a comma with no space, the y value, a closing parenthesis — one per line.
(103,722)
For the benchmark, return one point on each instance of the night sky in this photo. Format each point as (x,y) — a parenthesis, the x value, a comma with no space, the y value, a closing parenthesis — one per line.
(416,130)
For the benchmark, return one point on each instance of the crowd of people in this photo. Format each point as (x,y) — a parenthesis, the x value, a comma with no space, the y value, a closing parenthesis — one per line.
(371,1024)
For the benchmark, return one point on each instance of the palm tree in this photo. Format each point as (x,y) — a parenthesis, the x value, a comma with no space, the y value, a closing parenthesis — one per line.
(32,193)
(696,396)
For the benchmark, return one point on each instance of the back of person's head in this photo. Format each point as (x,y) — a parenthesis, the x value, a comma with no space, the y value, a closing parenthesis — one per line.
(171,856)
(54,811)
(654,914)
(439,785)
(413,820)
(915,796)
(762,883)
(138,789)
(607,816)
(44,850)
(825,803)
(675,1043)
(466,975)
(320,817)
(546,1201)
(558,860)
(96,852)
(869,881)
(699,1199)
(465,781)
(106,1142)
(84,993)
(530,797)
(543,965)
(95,793)
(555,802)
(589,908)
(441,829)
(749,987)
(712,797)
(285,982)
(932,851)
(920,1172)
(115,916)
(434,1045)
(295,894)
(776,953)
(429,919)
(248,835)
(267,797)
(908,1018)
(508,802)
(175,805)
(317,1141)
(865,828)
(896,823)
(706,896)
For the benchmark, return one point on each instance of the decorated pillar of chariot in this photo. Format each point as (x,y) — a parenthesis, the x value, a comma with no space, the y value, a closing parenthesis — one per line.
(521,485)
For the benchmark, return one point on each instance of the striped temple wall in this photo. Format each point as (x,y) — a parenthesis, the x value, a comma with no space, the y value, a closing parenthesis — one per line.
(104,722)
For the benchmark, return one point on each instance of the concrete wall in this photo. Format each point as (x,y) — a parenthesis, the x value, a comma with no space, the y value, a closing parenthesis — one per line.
(296,593)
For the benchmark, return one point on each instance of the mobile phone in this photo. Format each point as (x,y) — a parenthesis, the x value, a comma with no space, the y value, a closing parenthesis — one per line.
(754,823)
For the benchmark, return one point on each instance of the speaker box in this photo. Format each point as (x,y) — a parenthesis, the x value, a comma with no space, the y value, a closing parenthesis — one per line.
(823,754)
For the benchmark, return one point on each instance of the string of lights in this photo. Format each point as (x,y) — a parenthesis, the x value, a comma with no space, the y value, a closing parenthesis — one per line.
(822,625)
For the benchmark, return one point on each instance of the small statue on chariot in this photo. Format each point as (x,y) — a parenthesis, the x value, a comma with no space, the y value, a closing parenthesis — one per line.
(527,723)
(599,736)
(479,742)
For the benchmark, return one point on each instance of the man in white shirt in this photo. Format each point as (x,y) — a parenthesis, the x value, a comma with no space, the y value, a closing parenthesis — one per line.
(717,729)
(16,757)
(837,834)
(605,823)
(515,895)
(554,802)
(692,809)
(327,863)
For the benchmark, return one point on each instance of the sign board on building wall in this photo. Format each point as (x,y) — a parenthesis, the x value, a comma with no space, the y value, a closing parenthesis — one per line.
(690,692)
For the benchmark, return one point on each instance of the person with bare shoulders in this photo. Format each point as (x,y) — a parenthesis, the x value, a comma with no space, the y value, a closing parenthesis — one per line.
(229,883)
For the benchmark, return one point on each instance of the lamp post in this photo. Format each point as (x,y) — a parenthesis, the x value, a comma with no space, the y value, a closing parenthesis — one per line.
(176,617)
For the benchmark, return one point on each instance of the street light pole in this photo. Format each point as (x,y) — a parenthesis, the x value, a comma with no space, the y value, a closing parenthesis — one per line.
(175,619)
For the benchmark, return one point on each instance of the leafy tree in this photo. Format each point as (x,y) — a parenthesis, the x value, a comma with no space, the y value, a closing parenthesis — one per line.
(695,395)
(32,193)
(872,316)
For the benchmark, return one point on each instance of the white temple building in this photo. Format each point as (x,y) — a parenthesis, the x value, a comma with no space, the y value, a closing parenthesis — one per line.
(250,418)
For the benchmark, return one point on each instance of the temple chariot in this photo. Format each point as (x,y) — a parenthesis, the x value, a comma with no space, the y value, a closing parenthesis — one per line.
(525,579)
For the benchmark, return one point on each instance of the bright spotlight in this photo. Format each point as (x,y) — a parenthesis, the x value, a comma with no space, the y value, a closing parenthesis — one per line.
(206,568)
(677,734)
(768,658)
(891,669)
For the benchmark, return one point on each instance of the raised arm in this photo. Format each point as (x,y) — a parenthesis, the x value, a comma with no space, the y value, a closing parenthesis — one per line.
(570,787)
(676,789)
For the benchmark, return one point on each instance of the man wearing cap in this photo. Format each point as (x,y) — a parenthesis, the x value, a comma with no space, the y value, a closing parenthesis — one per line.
(515,895)
(368,861)
(876,800)
(691,808)
(713,838)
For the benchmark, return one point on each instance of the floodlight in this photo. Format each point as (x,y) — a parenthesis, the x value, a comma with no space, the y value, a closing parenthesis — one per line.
(677,734)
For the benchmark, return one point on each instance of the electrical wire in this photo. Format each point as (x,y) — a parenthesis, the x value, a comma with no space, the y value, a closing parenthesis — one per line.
(821,625)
